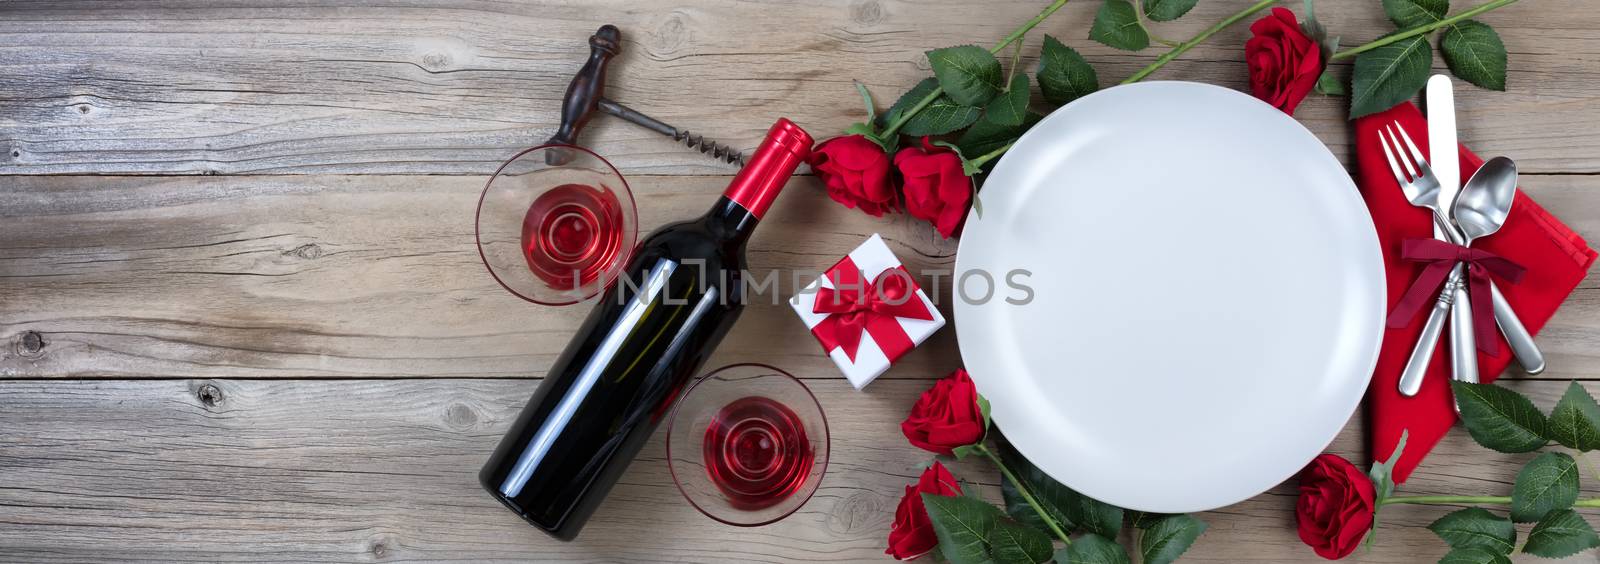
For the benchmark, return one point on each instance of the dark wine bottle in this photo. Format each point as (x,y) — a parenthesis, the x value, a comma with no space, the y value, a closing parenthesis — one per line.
(651,331)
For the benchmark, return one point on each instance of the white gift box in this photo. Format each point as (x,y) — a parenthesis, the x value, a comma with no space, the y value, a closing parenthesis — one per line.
(872,258)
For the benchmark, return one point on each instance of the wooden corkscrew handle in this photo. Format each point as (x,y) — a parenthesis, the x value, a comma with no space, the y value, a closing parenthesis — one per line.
(588,87)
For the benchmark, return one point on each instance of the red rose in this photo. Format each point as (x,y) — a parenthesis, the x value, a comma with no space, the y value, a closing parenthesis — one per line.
(946,416)
(856,172)
(935,186)
(1284,62)
(1336,506)
(912,534)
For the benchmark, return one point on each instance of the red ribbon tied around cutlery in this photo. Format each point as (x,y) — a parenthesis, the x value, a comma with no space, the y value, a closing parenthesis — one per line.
(1441,256)
(856,306)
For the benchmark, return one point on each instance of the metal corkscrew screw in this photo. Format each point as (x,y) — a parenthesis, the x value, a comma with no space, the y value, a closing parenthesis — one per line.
(586,94)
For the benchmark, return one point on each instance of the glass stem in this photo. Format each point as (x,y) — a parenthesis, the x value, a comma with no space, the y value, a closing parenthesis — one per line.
(1023,490)
(888,132)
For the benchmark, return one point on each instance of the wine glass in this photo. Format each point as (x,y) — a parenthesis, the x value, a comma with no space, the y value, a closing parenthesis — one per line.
(556,224)
(747,445)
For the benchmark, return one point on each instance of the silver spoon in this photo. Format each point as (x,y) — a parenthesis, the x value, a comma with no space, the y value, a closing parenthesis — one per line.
(1480,209)
(1477,213)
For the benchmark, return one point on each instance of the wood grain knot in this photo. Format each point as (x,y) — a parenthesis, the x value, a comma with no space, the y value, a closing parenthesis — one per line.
(861,511)
(460,416)
(30,344)
(383,546)
(866,12)
(435,62)
(308,251)
(669,35)
(209,395)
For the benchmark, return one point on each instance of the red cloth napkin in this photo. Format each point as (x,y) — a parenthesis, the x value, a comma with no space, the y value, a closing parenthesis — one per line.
(1556,258)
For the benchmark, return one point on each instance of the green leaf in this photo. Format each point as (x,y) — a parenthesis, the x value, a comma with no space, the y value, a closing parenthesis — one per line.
(1329,85)
(1547,483)
(1476,527)
(1143,519)
(1117,25)
(985,136)
(942,116)
(1079,510)
(1167,10)
(1575,422)
(968,169)
(1164,542)
(907,100)
(1389,75)
(1382,473)
(983,402)
(1092,549)
(1011,107)
(1500,419)
(1412,13)
(1018,509)
(1474,52)
(1560,534)
(1312,27)
(1474,555)
(866,98)
(969,74)
(970,490)
(962,525)
(1063,74)
(866,130)
(962,451)
(1011,543)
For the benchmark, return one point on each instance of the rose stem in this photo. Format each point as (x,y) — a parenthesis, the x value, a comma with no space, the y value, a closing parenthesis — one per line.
(991,155)
(1022,489)
(1198,39)
(1468,500)
(1419,30)
(1015,35)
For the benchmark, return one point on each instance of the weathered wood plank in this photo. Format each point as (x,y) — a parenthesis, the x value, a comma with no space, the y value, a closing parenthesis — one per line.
(418,87)
(310,276)
(358,470)
(352,276)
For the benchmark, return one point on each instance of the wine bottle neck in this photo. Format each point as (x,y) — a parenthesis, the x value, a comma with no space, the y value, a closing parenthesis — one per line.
(758,183)
(731,222)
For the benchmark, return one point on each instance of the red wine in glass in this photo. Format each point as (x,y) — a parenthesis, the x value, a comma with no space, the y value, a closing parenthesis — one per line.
(756,452)
(571,234)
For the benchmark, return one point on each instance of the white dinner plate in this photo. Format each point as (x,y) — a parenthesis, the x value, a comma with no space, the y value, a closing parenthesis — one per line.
(1207,296)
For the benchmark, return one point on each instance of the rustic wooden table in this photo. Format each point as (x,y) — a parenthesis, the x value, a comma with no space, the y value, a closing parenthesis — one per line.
(242,317)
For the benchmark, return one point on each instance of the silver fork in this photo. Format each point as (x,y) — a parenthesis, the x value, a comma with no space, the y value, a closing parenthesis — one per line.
(1421,188)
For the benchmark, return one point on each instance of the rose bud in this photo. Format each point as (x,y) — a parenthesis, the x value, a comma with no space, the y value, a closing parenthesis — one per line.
(1336,506)
(856,172)
(912,534)
(1284,62)
(946,416)
(936,188)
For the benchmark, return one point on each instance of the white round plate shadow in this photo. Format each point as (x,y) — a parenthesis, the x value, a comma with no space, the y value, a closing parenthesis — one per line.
(1208,296)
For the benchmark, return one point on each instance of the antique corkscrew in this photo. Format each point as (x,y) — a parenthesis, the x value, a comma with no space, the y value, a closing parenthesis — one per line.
(586,93)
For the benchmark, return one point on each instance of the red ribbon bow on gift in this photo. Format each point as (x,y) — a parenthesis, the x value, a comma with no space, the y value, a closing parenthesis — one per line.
(856,306)
(1441,256)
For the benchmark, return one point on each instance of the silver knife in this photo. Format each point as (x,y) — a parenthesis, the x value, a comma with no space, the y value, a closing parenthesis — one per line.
(1446,159)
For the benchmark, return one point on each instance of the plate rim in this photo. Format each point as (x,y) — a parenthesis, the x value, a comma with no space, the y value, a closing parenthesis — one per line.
(1373,346)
